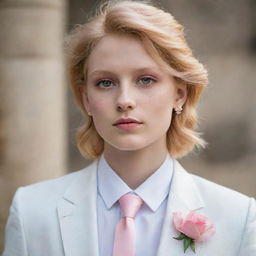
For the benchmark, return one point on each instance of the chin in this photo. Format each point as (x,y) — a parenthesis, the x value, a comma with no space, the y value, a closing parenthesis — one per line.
(127,145)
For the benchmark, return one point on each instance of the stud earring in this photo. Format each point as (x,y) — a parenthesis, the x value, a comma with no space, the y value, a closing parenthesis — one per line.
(178,110)
(89,113)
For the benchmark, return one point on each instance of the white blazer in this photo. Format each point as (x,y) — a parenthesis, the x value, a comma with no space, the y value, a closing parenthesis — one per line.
(59,217)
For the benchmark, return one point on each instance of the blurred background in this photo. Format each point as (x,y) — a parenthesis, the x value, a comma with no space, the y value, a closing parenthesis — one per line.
(39,119)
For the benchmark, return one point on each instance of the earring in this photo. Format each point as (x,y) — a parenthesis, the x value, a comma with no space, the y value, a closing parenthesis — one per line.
(89,113)
(178,110)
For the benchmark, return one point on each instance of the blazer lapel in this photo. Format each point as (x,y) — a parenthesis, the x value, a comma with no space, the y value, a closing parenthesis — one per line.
(77,213)
(185,197)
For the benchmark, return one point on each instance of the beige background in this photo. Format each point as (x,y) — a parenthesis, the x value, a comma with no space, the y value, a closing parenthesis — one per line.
(38,118)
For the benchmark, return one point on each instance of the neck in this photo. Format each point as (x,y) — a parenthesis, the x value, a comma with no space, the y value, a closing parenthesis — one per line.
(134,167)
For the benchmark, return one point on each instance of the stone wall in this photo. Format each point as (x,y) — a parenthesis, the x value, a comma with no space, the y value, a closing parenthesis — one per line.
(32,96)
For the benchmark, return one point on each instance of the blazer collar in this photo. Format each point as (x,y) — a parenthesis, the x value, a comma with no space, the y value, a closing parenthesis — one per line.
(77,212)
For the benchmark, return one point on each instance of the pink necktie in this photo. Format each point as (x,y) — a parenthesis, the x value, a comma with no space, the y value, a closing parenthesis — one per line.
(125,236)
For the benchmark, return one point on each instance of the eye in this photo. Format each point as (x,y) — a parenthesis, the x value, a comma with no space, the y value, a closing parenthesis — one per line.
(146,80)
(104,83)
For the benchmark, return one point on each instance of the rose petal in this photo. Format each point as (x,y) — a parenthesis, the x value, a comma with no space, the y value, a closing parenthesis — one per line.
(194,225)
(201,226)
(190,230)
(195,217)
(192,216)
(177,219)
(207,234)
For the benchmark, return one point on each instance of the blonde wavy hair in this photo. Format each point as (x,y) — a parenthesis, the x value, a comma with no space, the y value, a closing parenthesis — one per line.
(164,39)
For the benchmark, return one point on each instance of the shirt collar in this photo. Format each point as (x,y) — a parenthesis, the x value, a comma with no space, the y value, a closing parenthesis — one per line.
(153,190)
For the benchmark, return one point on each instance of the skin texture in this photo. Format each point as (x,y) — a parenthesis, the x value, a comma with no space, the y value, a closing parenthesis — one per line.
(124,81)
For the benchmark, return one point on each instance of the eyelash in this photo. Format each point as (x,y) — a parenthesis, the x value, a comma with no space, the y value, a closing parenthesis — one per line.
(153,80)
(98,84)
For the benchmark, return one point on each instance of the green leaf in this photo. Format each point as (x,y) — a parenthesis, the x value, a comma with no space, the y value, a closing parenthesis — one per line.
(180,237)
(193,247)
(186,243)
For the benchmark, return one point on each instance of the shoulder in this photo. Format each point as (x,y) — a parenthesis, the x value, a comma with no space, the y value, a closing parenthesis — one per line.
(209,188)
(50,191)
(229,210)
(219,202)
(210,192)
(53,187)
(225,202)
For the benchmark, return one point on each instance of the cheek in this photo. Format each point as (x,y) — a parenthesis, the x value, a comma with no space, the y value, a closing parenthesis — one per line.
(160,107)
(161,101)
(98,106)
(99,109)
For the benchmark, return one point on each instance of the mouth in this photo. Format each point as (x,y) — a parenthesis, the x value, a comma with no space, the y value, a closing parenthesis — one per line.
(127,124)
(126,121)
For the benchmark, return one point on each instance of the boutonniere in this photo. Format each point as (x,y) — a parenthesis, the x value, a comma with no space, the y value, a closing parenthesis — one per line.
(193,228)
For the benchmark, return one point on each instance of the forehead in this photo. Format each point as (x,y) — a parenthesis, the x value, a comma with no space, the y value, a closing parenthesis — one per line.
(120,52)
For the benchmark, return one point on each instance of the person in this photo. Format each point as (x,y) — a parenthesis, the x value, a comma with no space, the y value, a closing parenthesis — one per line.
(137,83)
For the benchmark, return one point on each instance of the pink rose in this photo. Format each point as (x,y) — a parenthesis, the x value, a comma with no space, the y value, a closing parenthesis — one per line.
(194,226)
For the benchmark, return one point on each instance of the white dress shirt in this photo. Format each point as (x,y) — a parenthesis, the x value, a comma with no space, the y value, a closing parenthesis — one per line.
(148,220)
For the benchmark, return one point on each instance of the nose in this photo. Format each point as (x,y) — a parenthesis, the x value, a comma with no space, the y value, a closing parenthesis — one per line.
(125,100)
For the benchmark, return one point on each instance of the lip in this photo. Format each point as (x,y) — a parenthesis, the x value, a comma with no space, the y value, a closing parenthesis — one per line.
(127,126)
(126,121)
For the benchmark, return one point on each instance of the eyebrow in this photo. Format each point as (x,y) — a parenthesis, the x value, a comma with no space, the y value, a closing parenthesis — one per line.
(138,70)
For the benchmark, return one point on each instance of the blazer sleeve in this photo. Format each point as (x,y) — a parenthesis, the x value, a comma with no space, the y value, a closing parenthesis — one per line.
(248,244)
(15,242)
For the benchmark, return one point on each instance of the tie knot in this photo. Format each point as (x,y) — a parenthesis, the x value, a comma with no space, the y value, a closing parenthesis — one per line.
(130,204)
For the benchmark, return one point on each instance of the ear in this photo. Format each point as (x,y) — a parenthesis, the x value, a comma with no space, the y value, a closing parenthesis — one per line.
(85,99)
(181,94)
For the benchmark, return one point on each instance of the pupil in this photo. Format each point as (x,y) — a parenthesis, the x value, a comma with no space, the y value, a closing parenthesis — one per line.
(106,83)
(146,80)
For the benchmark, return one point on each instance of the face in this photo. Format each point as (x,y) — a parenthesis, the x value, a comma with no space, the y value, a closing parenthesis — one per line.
(129,95)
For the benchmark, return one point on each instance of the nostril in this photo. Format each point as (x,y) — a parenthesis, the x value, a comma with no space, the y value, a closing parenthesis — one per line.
(125,106)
